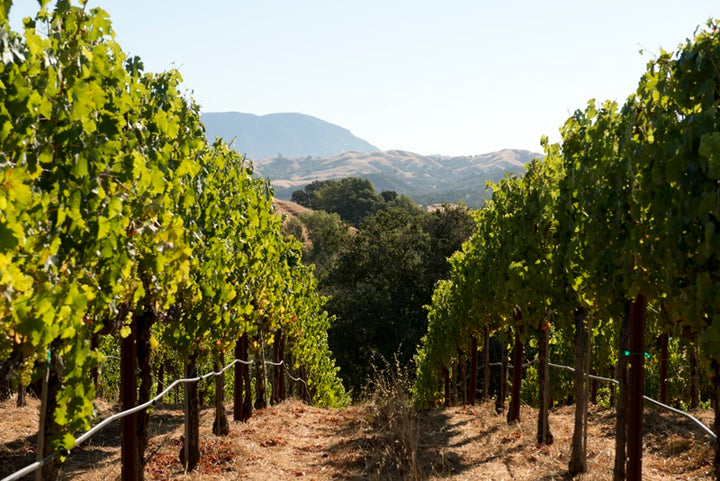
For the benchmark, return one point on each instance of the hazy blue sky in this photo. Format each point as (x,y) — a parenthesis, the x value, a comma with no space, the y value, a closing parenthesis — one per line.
(449,77)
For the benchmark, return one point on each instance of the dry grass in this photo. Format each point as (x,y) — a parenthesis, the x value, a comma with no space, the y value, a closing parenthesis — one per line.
(290,208)
(293,440)
(394,431)
(475,443)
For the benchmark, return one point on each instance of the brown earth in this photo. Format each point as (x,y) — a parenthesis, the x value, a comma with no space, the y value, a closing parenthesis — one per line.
(290,208)
(296,441)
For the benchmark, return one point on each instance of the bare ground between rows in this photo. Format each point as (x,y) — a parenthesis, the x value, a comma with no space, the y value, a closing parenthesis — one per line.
(296,441)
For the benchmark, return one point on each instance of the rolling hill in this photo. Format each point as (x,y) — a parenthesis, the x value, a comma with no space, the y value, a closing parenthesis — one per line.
(294,149)
(426,179)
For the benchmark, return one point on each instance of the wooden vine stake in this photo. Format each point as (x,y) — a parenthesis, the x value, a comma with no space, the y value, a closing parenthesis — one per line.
(513,415)
(43,415)
(663,367)
(128,396)
(636,388)
(473,368)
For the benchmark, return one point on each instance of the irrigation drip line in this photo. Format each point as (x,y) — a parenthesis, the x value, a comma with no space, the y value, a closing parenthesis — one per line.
(614,381)
(122,414)
(38,464)
(649,399)
(282,363)
(510,366)
(30,468)
(296,379)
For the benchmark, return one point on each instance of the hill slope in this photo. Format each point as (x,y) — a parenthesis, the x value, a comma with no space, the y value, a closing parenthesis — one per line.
(426,179)
(289,134)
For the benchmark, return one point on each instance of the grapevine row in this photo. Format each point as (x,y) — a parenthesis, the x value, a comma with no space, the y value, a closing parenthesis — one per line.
(119,222)
(620,219)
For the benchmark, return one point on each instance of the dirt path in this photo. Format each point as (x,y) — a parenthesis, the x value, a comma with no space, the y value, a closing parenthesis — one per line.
(296,441)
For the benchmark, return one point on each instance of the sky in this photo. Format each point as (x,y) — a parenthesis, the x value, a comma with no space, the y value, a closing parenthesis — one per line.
(451,77)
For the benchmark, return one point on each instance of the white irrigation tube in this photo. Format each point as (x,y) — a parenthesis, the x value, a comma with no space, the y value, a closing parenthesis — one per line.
(651,400)
(510,366)
(30,468)
(591,376)
(296,379)
(282,362)
(122,414)
(38,464)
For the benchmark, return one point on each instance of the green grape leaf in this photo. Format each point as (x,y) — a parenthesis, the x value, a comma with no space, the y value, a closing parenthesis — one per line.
(710,149)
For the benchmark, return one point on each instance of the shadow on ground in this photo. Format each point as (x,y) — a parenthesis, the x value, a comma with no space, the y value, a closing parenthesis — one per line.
(371,456)
(99,449)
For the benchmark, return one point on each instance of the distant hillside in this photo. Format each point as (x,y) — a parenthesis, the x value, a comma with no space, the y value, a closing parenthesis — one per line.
(287,134)
(426,179)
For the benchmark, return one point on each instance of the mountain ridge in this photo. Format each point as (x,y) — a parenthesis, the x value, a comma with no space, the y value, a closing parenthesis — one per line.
(294,149)
(286,133)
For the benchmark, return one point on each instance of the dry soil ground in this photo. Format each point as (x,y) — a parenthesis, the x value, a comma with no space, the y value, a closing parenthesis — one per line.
(296,441)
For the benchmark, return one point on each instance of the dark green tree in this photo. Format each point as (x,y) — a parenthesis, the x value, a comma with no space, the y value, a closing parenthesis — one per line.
(377,292)
(382,281)
(328,236)
(301,197)
(351,198)
(448,227)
